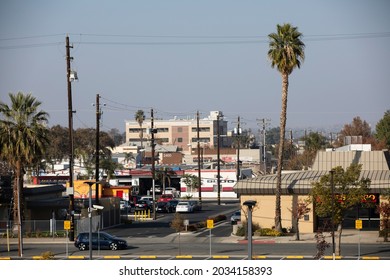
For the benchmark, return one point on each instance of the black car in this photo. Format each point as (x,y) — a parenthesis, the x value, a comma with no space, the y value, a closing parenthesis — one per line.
(100,240)
(143,205)
(171,205)
(162,206)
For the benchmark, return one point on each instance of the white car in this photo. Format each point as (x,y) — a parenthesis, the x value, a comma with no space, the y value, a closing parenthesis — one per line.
(124,205)
(184,206)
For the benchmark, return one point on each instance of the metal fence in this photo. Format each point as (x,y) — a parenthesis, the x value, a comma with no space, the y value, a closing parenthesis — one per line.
(54,227)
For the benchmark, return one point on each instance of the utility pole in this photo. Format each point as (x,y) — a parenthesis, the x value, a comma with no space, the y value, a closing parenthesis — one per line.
(265,122)
(98,114)
(70,121)
(199,166)
(153,166)
(237,132)
(218,161)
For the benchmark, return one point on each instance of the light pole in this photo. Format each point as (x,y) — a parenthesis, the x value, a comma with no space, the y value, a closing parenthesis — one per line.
(250,204)
(332,224)
(218,159)
(90,216)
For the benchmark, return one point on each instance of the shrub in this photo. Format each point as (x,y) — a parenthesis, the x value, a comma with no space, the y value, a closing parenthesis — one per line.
(241,231)
(48,255)
(268,232)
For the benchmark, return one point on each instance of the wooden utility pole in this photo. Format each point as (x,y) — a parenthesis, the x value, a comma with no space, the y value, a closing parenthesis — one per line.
(218,161)
(153,165)
(199,165)
(238,134)
(70,121)
(97,153)
(265,122)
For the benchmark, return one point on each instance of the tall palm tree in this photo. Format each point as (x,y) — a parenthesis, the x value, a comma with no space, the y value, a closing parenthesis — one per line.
(286,52)
(23,138)
(140,117)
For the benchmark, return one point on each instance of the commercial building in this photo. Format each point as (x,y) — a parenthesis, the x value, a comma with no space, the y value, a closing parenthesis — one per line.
(297,186)
(180,132)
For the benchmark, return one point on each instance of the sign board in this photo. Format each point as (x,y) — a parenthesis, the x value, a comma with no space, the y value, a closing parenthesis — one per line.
(66,224)
(358,224)
(210,223)
(186,222)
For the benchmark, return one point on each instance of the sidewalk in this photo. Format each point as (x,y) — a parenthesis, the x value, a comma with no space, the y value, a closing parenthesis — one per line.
(348,236)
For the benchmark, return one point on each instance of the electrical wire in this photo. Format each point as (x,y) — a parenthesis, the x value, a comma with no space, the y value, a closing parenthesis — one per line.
(194,40)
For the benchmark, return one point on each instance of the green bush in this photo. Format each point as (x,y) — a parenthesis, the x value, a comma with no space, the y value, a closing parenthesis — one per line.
(242,229)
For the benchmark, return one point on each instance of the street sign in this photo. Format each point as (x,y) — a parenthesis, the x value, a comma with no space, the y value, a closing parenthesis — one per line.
(358,224)
(66,224)
(210,224)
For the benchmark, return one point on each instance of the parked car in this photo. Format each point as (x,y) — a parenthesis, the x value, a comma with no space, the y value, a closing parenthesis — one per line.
(196,205)
(101,240)
(171,205)
(165,197)
(148,198)
(124,205)
(133,200)
(162,206)
(235,217)
(143,205)
(184,206)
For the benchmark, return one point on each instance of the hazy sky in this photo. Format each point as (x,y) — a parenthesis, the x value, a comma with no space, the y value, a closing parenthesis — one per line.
(181,56)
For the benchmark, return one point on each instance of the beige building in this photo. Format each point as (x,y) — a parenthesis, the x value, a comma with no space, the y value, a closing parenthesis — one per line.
(180,132)
(297,185)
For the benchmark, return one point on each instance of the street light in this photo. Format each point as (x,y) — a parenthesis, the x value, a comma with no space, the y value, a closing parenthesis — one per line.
(90,216)
(332,187)
(250,204)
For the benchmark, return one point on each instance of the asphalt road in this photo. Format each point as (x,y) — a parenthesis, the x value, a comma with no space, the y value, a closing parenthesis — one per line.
(156,239)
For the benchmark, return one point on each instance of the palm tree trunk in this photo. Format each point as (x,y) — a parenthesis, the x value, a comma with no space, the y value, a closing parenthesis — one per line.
(18,198)
(283,119)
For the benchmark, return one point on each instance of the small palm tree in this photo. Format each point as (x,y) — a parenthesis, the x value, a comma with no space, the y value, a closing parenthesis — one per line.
(286,51)
(140,117)
(23,139)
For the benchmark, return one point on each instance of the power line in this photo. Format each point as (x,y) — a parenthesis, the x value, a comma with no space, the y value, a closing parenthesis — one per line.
(211,40)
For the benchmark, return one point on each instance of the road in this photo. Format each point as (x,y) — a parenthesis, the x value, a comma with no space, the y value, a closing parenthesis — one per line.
(157,239)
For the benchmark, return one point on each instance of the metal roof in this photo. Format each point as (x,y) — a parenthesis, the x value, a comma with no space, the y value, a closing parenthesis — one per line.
(301,182)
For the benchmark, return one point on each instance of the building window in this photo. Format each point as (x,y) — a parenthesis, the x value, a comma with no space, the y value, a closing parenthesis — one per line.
(201,139)
(179,129)
(180,140)
(201,129)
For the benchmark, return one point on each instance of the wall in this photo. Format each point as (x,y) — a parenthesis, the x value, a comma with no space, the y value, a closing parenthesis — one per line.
(264,212)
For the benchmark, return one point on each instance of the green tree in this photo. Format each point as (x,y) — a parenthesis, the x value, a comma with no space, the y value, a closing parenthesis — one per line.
(140,117)
(314,141)
(191,181)
(23,139)
(85,147)
(348,189)
(59,145)
(383,129)
(286,51)
(117,136)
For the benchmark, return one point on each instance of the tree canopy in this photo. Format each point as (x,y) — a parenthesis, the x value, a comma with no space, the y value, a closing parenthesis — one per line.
(383,129)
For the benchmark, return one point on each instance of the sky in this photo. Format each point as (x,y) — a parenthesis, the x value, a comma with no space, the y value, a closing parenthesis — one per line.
(178,57)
